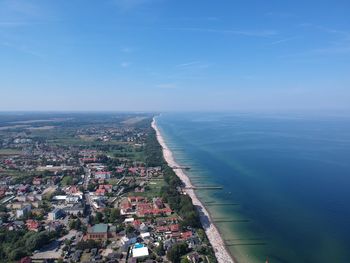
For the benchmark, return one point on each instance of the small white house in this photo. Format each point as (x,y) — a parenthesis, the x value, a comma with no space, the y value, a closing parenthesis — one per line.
(146,235)
(23,211)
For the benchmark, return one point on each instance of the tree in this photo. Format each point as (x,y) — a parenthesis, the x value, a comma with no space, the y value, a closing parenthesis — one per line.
(176,252)
(17,254)
(160,249)
(72,224)
(67,180)
(129,229)
(91,187)
(89,244)
(114,215)
(37,240)
(98,218)
(75,224)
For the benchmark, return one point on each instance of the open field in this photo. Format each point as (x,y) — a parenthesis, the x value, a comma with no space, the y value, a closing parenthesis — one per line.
(133,120)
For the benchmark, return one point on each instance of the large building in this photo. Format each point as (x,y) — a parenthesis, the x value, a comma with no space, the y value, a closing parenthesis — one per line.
(74,210)
(55,214)
(24,211)
(98,232)
(139,251)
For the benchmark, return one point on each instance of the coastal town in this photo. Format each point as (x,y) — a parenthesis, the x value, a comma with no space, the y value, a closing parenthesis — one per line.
(95,188)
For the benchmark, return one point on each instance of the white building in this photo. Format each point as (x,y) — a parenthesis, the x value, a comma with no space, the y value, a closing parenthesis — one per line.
(23,211)
(139,251)
(55,214)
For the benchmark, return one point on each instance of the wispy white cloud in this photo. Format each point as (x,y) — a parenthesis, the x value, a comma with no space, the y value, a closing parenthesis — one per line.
(283,40)
(125,64)
(22,9)
(337,42)
(22,48)
(338,32)
(332,50)
(187,64)
(192,65)
(247,33)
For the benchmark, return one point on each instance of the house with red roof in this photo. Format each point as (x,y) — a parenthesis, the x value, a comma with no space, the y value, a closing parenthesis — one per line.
(174,228)
(37,181)
(120,170)
(88,160)
(136,224)
(126,207)
(153,212)
(2,193)
(73,190)
(133,170)
(186,235)
(26,260)
(33,225)
(107,187)
(100,191)
(158,203)
(23,189)
(136,199)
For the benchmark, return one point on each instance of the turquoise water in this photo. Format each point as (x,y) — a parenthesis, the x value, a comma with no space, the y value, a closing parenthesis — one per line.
(285,179)
(138,245)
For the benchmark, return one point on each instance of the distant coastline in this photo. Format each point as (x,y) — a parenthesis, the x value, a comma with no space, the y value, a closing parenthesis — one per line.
(213,234)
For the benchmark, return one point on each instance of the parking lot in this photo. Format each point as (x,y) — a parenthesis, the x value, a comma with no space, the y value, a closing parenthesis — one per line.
(54,249)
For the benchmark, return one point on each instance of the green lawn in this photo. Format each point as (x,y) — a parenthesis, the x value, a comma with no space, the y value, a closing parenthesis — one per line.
(153,191)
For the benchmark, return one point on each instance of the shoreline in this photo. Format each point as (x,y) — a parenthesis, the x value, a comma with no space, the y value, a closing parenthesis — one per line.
(212,232)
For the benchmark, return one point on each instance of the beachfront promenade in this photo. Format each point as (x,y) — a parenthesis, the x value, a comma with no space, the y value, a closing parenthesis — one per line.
(221,253)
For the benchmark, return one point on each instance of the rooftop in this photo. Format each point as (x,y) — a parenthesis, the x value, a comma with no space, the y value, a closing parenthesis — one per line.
(140,251)
(99,228)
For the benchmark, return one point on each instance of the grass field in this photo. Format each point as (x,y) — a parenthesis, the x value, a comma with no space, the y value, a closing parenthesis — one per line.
(133,120)
(154,189)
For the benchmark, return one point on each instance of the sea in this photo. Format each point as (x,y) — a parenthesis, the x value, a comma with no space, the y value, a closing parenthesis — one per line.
(277,185)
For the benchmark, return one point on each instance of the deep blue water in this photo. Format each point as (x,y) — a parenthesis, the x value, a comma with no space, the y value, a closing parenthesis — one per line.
(288,174)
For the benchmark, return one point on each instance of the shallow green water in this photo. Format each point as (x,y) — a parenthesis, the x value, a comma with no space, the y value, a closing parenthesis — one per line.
(286,181)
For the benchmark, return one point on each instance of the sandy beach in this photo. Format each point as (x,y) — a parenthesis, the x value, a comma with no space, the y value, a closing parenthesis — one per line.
(222,255)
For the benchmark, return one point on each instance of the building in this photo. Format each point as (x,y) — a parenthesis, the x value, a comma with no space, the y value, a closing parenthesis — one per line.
(72,199)
(103,175)
(24,211)
(103,189)
(126,207)
(98,232)
(26,260)
(37,181)
(73,190)
(145,235)
(33,225)
(127,241)
(55,214)
(158,203)
(74,210)
(136,199)
(139,251)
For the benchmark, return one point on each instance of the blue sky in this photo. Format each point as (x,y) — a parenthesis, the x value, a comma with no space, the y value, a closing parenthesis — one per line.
(174,55)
